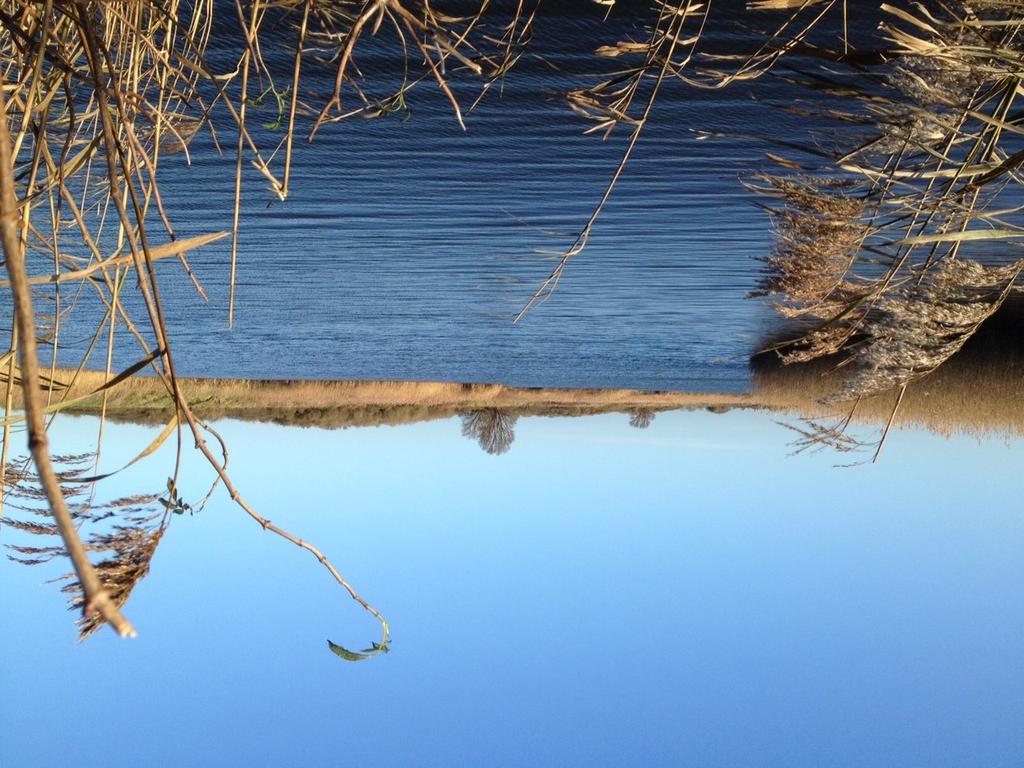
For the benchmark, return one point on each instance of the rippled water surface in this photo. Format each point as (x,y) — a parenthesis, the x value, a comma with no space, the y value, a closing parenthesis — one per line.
(406,246)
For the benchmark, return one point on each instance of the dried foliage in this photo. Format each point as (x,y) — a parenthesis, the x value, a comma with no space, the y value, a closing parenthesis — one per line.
(919,327)
(893,270)
(978,392)
(814,435)
(124,531)
(818,233)
(641,418)
(131,549)
(492,428)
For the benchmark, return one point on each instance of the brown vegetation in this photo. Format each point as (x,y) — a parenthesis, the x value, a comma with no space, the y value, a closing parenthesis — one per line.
(979,391)
(354,403)
(880,254)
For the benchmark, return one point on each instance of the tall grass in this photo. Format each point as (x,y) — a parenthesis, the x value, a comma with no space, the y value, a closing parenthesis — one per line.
(978,392)
(879,248)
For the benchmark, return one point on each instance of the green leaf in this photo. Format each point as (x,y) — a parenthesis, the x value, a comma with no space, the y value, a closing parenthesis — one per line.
(367,653)
(346,654)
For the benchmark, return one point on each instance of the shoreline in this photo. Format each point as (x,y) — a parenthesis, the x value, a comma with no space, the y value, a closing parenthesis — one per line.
(961,399)
(358,403)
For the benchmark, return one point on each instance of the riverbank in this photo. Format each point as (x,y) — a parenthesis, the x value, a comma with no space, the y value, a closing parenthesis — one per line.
(335,404)
(968,396)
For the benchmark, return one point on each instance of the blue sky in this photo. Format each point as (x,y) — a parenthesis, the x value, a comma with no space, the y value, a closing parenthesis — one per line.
(683,595)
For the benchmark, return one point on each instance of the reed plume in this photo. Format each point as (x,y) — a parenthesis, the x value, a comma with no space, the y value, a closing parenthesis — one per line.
(881,256)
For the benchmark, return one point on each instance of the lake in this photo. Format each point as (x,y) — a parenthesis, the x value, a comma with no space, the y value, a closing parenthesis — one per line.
(407,246)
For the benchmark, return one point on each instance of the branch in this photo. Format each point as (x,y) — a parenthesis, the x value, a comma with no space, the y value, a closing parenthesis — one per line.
(96,599)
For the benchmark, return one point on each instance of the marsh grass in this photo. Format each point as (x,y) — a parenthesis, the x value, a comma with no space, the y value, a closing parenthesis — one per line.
(360,403)
(978,392)
(877,250)
(123,533)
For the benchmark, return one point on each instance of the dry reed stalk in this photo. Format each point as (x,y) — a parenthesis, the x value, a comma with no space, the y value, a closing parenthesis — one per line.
(920,327)
(671,52)
(609,104)
(818,235)
(96,601)
(134,527)
(928,182)
(132,549)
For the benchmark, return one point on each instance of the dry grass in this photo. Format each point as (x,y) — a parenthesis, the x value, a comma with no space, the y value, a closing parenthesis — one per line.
(979,391)
(129,550)
(950,401)
(927,168)
(917,329)
(818,232)
(125,532)
(358,403)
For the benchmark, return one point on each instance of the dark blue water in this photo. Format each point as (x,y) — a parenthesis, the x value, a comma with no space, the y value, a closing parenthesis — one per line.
(407,246)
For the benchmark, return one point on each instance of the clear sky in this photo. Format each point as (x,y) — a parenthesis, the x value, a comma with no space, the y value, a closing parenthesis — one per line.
(685,595)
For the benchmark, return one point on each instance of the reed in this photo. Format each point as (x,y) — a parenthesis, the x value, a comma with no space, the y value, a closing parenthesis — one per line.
(978,391)
(879,255)
(125,532)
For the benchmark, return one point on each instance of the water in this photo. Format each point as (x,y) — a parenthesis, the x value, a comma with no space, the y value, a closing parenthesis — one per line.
(406,248)
(684,595)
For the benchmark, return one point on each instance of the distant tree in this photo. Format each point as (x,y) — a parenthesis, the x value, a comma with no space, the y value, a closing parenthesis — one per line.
(492,428)
(641,418)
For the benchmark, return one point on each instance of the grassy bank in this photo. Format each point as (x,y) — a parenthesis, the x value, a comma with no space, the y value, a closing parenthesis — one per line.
(973,394)
(335,404)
